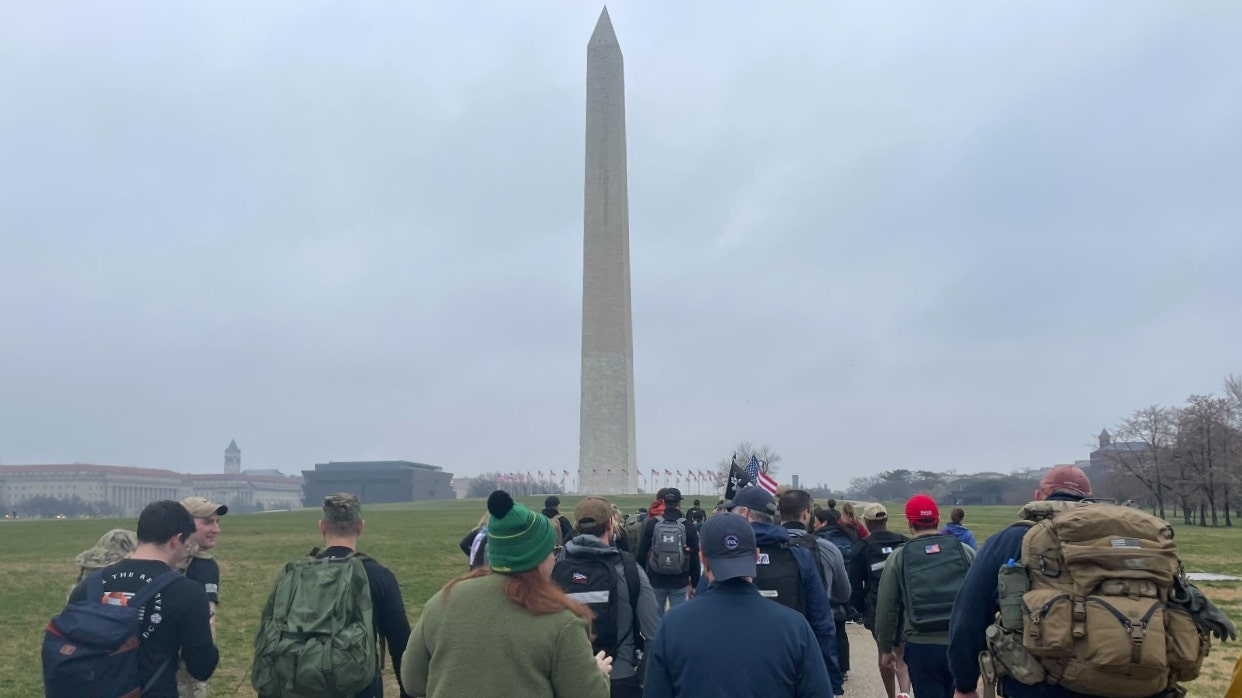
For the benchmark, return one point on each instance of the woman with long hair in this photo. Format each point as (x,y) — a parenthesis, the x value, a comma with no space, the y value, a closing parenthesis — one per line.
(849,519)
(506,629)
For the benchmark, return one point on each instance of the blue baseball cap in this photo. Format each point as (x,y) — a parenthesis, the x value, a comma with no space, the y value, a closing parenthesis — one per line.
(728,543)
(755,498)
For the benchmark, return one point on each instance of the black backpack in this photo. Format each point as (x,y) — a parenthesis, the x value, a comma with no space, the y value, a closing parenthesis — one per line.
(778,576)
(932,568)
(90,650)
(590,580)
(877,554)
(839,538)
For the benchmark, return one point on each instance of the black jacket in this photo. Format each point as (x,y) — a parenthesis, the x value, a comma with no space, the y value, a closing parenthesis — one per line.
(670,581)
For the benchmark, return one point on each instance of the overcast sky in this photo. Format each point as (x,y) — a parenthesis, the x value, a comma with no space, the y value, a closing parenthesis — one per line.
(870,236)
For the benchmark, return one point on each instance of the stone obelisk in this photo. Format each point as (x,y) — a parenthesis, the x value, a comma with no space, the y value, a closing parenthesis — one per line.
(606,455)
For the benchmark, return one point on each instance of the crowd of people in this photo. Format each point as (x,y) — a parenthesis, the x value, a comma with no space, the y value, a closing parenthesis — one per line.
(752,600)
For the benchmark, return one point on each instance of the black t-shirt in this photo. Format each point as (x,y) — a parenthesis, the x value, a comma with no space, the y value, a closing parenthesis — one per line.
(206,571)
(174,623)
(388,613)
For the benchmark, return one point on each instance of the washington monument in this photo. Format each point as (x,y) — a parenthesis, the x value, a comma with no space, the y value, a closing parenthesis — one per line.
(606,450)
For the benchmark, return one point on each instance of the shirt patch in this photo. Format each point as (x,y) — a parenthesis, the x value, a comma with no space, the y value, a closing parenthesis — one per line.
(931,549)
(211,588)
(763,559)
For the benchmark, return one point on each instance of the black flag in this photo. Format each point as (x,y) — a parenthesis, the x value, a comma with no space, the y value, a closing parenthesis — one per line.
(737,479)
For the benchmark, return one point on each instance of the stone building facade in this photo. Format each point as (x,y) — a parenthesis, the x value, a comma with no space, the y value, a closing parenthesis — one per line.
(131,489)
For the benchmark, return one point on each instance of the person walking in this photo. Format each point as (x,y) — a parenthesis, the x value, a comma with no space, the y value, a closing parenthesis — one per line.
(552,510)
(594,572)
(955,528)
(669,550)
(916,596)
(506,629)
(866,567)
(731,641)
(202,567)
(176,622)
(474,544)
(789,574)
(1126,573)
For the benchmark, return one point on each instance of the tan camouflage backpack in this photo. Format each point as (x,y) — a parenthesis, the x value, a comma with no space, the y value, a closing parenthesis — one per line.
(113,546)
(1086,605)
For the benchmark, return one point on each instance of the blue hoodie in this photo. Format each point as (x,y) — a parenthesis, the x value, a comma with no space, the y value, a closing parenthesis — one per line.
(961,533)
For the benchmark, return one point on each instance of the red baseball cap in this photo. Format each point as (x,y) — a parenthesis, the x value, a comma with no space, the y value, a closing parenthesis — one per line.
(1065,478)
(922,510)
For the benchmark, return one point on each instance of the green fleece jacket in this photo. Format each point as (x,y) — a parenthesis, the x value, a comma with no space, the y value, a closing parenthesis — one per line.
(888,604)
(477,643)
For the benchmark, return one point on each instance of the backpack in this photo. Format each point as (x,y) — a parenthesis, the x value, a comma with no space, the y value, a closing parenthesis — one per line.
(839,538)
(933,569)
(590,580)
(1086,605)
(90,648)
(556,526)
(634,528)
(778,577)
(316,636)
(877,554)
(668,548)
(113,546)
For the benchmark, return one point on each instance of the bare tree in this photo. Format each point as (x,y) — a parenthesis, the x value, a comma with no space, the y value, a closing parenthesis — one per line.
(767,457)
(1203,445)
(1154,427)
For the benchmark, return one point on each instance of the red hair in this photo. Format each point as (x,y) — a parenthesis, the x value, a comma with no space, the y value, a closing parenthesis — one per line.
(532,591)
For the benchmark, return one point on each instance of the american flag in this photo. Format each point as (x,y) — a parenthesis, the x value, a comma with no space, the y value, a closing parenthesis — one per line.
(759,477)
(752,469)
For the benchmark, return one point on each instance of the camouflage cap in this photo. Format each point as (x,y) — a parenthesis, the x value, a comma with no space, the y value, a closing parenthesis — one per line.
(113,546)
(342,506)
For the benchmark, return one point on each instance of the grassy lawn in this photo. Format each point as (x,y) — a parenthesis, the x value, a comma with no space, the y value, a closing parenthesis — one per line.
(419,543)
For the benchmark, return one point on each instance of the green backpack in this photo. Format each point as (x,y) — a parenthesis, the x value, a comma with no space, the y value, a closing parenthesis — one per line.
(317,637)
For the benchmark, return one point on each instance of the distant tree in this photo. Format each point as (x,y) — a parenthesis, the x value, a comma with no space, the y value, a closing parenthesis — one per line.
(1155,427)
(767,457)
(483,485)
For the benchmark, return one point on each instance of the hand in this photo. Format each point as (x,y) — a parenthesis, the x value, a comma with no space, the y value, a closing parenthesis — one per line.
(604,662)
(689,592)
(959,694)
(888,660)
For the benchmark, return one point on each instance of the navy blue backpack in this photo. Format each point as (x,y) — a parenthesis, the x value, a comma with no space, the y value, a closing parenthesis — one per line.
(90,648)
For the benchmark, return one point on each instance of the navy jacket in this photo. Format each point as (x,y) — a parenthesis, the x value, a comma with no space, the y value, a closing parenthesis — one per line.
(730,641)
(970,620)
(818,610)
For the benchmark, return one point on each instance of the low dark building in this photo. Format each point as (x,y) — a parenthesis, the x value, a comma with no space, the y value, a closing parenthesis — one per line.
(376,482)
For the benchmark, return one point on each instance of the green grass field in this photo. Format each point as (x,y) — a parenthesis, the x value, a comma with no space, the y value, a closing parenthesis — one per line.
(419,543)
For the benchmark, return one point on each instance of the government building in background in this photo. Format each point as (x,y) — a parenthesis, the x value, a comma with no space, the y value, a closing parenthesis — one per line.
(378,482)
(128,490)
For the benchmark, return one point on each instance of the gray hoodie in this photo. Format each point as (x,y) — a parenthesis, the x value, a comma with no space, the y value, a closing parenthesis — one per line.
(624,665)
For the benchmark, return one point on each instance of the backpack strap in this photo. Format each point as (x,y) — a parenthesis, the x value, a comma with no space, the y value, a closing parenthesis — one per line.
(632,584)
(807,541)
(140,599)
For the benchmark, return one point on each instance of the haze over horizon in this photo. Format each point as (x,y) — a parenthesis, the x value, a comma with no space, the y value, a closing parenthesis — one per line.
(868,237)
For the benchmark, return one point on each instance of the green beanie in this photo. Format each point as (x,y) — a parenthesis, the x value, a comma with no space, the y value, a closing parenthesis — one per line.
(518,539)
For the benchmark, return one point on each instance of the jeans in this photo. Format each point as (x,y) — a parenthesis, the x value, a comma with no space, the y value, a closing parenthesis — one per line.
(929,670)
(674,597)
